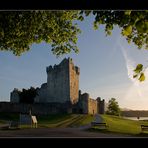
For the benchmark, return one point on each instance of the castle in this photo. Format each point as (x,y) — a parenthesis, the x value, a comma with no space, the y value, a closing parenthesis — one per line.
(61,93)
(62,84)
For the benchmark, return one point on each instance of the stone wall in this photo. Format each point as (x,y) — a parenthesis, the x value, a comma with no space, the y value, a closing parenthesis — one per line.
(58,82)
(36,109)
(92,106)
(63,82)
(62,86)
(88,105)
(42,95)
(101,105)
(83,103)
(74,72)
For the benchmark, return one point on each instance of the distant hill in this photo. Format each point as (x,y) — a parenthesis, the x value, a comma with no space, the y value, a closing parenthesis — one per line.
(125,109)
(131,113)
(134,113)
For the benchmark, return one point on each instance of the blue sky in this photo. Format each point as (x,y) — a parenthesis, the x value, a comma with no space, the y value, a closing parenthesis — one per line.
(106,67)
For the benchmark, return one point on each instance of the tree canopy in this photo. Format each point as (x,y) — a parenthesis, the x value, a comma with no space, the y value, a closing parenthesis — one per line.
(20,29)
(134,27)
(113,107)
(133,24)
(27,95)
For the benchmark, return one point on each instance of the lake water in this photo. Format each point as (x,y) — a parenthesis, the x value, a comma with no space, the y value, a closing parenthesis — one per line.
(135,118)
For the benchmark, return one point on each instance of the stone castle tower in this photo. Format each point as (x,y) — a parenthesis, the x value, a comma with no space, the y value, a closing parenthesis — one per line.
(62,83)
(61,92)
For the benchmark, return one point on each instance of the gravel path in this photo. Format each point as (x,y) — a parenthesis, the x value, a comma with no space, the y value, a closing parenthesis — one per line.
(55,132)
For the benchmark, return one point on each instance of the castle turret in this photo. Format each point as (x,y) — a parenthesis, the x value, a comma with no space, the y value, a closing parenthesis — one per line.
(101,105)
(14,96)
(63,82)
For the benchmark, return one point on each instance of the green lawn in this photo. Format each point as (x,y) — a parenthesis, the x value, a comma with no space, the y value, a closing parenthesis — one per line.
(49,121)
(115,124)
(123,126)
(9,116)
(64,120)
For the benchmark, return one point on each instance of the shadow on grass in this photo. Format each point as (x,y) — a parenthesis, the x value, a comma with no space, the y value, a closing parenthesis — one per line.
(106,131)
(9,129)
(142,134)
(98,130)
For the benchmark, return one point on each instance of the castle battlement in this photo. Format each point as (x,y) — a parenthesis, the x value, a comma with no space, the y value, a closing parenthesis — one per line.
(62,87)
(77,69)
(65,62)
(63,81)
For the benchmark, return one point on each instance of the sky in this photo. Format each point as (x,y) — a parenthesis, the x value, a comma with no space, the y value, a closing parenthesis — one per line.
(106,67)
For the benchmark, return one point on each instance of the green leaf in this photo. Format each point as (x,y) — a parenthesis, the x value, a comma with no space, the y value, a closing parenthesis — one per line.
(95,25)
(81,18)
(134,76)
(87,12)
(142,26)
(128,12)
(138,68)
(127,30)
(142,77)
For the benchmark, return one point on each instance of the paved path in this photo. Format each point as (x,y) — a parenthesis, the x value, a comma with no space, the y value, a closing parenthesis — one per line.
(55,132)
(98,118)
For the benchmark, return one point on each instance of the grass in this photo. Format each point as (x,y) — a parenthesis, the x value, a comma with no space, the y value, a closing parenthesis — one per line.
(9,116)
(64,120)
(50,121)
(123,126)
(115,124)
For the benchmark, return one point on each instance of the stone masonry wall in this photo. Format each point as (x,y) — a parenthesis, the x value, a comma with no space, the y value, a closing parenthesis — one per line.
(63,82)
(14,96)
(92,106)
(74,72)
(62,87)
(101,105)
(84,103)
(36,109)
(58,82)
(42,95)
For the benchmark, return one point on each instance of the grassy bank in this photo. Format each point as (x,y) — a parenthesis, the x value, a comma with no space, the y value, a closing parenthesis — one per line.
(9,116)
(49,121)
(123,126)
(115,124)
(65,120)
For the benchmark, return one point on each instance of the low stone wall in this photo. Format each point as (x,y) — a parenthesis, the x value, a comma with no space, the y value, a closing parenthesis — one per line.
(36,109)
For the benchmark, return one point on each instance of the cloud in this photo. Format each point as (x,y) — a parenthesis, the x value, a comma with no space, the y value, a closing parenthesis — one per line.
(130,65)
(138,87)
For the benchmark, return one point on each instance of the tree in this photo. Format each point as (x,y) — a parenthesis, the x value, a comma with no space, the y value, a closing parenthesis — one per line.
(134,27)
(27,96)
(133,24)
(113,107)
(20,29)
(139,72)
